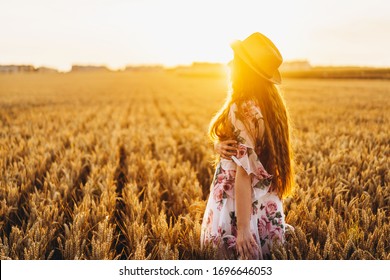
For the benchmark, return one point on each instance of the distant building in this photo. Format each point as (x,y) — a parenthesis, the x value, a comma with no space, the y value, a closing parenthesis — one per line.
(89,68)
(16,68)
(46,70)
(204,69)
(295,65)
(144,68)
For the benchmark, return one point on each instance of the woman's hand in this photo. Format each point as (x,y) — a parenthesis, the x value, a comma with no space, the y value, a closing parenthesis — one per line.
(246,245)
(226,148)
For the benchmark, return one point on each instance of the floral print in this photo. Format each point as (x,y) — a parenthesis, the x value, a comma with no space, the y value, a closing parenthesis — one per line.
(223,186)
(219,225)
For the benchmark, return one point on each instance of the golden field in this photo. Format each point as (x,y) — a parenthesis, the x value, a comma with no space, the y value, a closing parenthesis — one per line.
(118,166)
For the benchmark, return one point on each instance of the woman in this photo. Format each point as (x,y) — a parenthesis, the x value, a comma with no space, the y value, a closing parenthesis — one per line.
(254,168)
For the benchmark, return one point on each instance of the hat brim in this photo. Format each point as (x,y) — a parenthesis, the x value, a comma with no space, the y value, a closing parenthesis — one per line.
(240,51)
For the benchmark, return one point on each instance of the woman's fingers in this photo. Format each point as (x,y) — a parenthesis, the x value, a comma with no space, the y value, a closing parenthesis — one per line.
(224,154)
(240,249)
(248,250)
(232,144)
(243,251)
(254,243)
(228,148)
(230,141)
(231,150)
(226,145)
(240,252)
(247,246)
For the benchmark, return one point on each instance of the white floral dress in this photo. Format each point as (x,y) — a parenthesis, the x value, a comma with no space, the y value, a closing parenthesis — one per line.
(219,226)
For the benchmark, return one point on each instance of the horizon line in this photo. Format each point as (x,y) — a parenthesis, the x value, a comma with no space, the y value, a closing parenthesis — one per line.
(165,66)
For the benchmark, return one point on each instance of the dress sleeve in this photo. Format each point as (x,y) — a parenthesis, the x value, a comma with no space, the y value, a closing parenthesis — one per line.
(246,156)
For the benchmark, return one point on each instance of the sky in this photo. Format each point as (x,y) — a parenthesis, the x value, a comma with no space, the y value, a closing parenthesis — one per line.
(116,33)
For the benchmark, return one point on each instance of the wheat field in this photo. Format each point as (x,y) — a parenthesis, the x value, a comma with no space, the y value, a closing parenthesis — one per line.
(118,166)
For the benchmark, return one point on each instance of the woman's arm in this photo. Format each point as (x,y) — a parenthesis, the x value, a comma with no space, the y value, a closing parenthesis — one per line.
(243,197)
(246,245)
